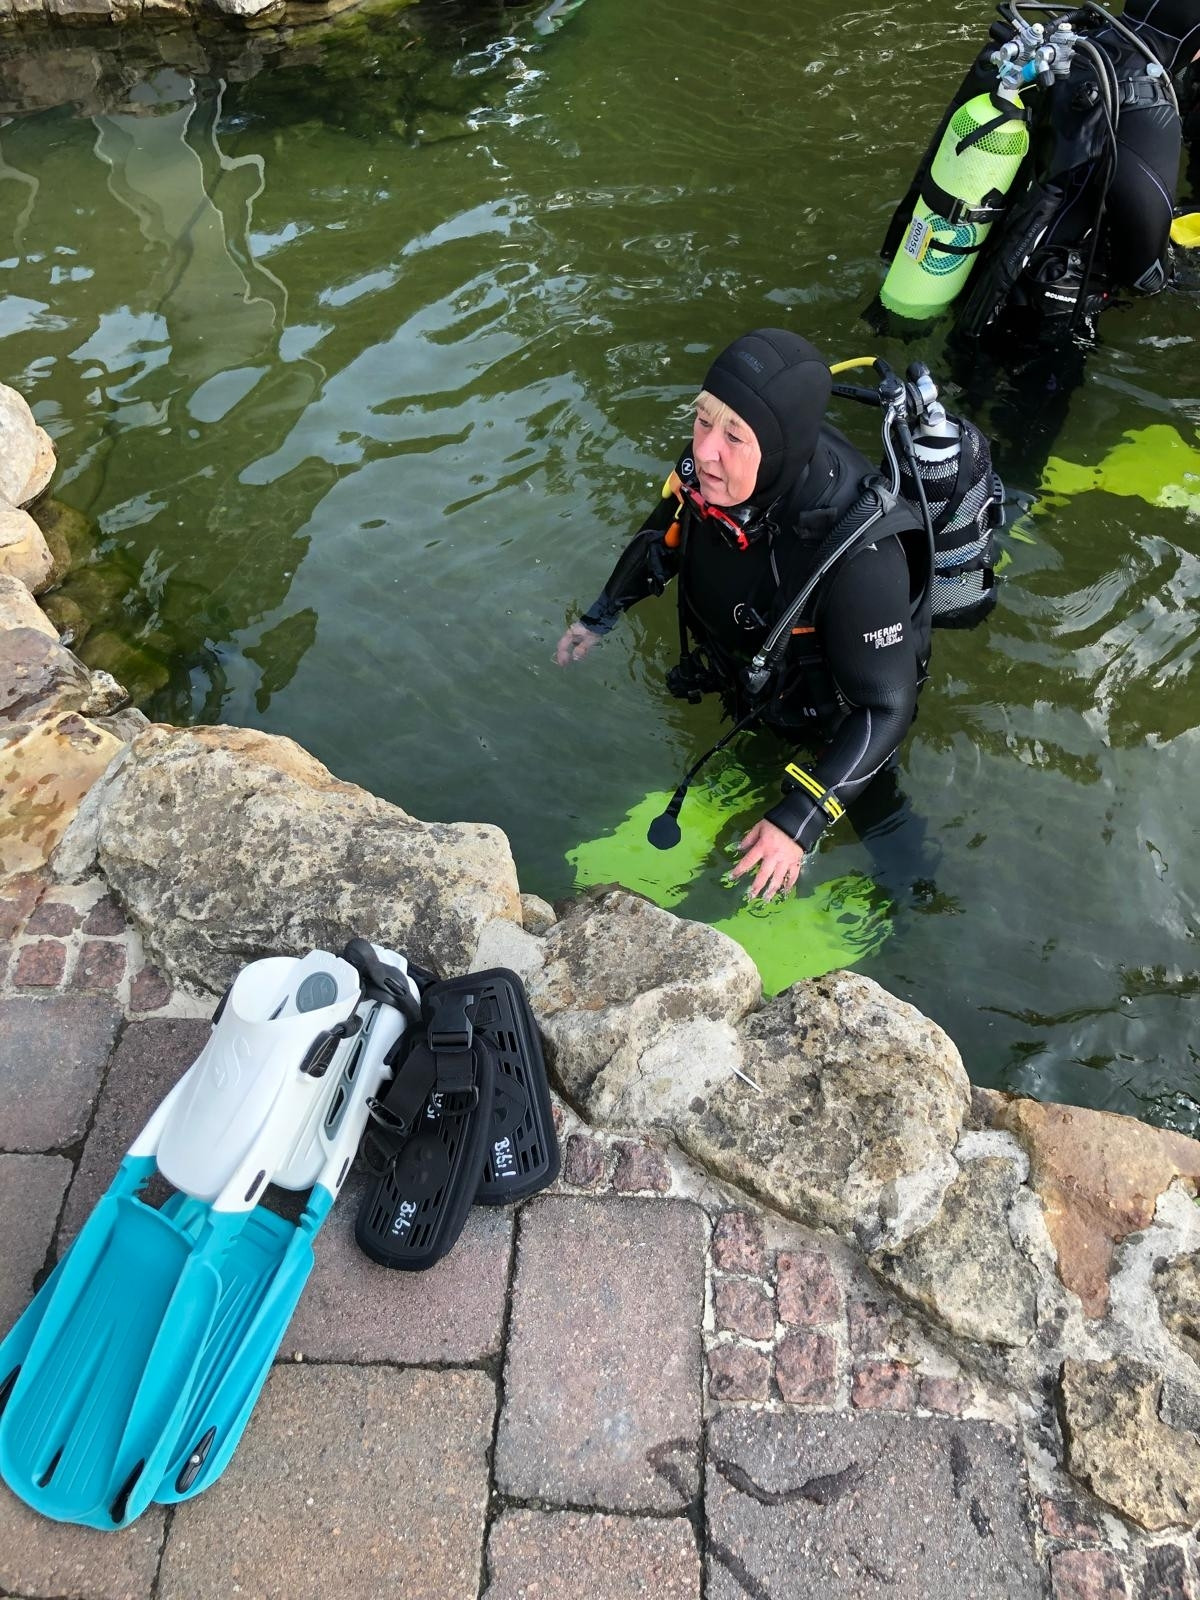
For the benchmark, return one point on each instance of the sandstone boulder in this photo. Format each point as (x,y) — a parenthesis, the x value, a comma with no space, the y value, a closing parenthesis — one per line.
(19,444)
(618,974)
(24,553)
(44,464)
(45,771)
(830,1103)
(1177,1289)
(863,1101)
(1117,1445)
(225,843)
(38,677)
(1099,1177)
(964,1268)
(18,608)
(252,13)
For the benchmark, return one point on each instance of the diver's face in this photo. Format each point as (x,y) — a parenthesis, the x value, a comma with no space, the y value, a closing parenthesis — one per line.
(727,457)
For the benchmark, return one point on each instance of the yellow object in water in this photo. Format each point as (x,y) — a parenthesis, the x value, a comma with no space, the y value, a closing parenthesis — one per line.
(829,924)
(1156,463)
(1185,231)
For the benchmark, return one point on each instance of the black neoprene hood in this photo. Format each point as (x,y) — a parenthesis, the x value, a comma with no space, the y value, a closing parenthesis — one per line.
(1171,28)
(779,385)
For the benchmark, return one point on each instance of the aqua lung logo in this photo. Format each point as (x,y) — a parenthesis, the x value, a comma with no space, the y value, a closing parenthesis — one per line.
(963,236)
(881,638)
(687,467)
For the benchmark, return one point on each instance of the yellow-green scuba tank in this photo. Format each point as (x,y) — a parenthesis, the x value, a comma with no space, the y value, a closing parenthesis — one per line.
(961,197)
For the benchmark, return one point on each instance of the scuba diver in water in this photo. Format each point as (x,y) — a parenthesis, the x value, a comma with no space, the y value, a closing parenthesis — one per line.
(805,586)
(1050,208)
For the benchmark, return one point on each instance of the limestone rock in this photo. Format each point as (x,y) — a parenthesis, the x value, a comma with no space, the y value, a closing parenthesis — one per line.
(225,843)
(43,469)
(66,616)
(1177,1290)
(504,944)
(1118,1446)
(45,771)
(618,973)
(1099,1177)
(18,444)
(105,695)
(18,608)
(124,724)
(964,1268)
(38,678)
(70,534)
(24,553)
(252,13)
(861,1093)
(537,915)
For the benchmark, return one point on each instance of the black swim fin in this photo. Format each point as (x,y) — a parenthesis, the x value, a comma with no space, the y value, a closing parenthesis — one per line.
(523,1154)
(429,1136)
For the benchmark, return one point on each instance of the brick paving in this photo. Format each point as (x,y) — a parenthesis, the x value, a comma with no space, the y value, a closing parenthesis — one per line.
(626,1388)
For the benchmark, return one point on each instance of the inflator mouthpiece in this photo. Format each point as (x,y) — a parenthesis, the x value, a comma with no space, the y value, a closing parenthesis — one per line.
(664,833)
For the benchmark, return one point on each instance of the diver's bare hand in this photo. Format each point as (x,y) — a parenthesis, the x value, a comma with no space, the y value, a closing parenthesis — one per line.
(777,858)
(576,643)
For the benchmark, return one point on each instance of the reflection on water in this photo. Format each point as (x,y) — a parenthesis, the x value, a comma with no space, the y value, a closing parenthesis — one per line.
(363,357)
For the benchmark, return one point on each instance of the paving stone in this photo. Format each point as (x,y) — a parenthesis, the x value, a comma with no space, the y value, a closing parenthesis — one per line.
(105,918)
(640,1168)
(52,1055)
(149,990)
(807,1290)
(870,1326)
(1167,1576)
(41,965)
(806,1368)
(859,1507)
(585,1162)
(561,1555)
(31,1192)
(355,1310)
(1087,1575)
(100,965)
(150,1059)
(743,1307)
(738,1372)
(39,1558)
(737,1243)
(603,1370)
(947,1395)
(359,1481)
(53,916)
(1062,1520)
(883,1386)
(18,897)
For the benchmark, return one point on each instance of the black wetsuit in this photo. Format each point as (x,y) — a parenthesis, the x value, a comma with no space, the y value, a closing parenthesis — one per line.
(1141,194)
(849,682)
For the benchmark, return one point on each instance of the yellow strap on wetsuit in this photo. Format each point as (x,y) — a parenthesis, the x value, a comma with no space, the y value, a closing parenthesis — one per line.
(832,808)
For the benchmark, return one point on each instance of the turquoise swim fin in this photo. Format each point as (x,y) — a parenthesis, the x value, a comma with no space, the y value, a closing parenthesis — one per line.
(132,1374)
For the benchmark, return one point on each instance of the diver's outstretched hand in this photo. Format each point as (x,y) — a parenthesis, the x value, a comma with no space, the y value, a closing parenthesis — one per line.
(576,643)
(777,858)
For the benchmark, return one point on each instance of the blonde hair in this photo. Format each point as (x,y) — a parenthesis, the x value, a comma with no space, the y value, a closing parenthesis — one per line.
(718,413)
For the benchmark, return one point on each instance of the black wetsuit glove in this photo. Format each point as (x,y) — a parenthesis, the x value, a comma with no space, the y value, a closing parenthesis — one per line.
(645,567)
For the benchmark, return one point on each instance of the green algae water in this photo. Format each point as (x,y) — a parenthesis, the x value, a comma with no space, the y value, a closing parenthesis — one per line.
(364,356)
